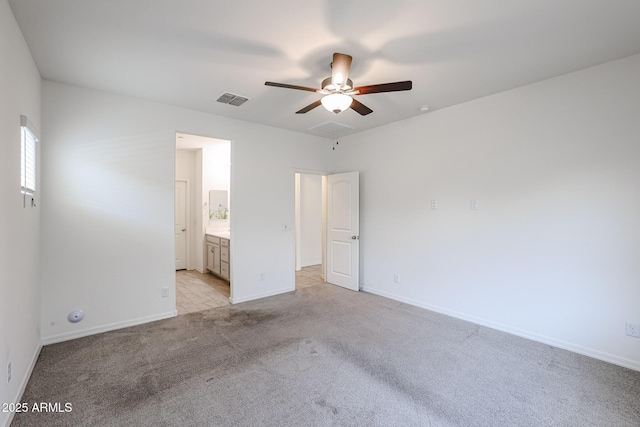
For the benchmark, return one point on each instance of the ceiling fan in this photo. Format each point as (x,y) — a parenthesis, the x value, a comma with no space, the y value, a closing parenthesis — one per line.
(338,89)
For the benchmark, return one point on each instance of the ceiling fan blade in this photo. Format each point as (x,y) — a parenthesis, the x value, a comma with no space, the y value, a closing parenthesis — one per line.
(340,69)
(384,87)
(360,108)
(286,86)
(309,107)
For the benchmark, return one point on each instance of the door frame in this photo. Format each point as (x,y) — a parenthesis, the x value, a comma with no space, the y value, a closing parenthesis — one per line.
(187,220)
(323,268)
(296,217)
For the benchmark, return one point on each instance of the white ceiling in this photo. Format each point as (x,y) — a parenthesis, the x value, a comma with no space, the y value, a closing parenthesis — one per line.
(188,52)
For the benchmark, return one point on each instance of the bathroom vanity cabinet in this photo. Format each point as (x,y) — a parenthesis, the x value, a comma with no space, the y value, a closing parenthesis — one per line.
(218,256)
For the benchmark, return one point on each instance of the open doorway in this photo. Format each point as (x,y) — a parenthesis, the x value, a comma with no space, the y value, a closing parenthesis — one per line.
(202,168)
(309,229)
(327,210)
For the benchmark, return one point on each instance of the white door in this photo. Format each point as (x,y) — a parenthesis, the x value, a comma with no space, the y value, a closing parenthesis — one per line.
(343,229)
(181,225)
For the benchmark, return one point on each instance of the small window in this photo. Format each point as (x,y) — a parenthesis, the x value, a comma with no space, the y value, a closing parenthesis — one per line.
(28,154)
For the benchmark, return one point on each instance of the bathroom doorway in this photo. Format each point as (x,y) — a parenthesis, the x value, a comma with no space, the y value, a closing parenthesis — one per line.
(309,229)
(205,164)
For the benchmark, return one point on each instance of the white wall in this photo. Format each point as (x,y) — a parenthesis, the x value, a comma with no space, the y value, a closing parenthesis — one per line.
(310,219)
(552,252)
(107,229)
(262,201)
(216,166)
(19,226)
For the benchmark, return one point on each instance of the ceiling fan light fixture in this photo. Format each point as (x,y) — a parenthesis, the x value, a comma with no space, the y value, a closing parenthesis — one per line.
(336,102)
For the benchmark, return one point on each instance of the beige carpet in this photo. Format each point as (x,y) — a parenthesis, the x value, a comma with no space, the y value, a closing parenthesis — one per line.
(324,356)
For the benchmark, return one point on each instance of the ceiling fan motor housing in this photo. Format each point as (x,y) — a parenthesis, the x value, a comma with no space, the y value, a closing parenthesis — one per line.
(327,84)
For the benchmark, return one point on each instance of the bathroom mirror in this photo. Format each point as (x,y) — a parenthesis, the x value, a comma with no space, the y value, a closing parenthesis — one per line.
(218,204)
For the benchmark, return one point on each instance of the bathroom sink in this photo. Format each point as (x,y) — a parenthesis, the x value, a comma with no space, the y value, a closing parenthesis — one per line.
(222,234)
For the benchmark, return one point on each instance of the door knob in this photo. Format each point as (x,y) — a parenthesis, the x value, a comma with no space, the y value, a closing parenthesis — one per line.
(354,237)
(184,229)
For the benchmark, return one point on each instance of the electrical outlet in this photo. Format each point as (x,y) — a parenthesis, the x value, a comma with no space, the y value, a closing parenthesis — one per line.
(165,292)
(396,278)
(434,204)
(8,372)
(261,276)
(633,329)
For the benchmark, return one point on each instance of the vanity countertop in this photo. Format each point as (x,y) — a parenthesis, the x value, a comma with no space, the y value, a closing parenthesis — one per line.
(221,234)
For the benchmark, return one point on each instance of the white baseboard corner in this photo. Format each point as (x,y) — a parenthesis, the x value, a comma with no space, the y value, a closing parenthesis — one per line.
(262,295)
(106,328)
(24,382)
(575,348)
(309,263)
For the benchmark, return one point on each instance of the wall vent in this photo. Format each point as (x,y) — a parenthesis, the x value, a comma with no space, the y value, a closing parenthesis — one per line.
(332,129)
(232,99)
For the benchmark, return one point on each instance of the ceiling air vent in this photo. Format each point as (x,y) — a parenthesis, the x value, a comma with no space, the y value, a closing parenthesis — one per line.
(232,99)
(332,129)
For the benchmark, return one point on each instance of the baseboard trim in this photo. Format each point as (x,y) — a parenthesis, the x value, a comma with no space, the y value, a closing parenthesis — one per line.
(106,328)
(310,263)
(258,296)
(24,382)
(576,348)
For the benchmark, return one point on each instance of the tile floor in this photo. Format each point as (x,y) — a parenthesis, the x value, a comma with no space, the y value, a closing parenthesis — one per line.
(308,276)
(197,292)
